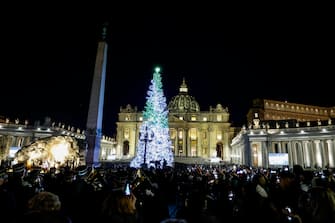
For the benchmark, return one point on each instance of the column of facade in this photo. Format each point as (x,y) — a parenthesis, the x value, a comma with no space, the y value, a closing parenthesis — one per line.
(259,153)
(226,151)
(311,147)
(27,140)
(211,142)
(306,157)
(185,142)
(324,153)
(282,147)
(295,153)
(188,142)
(317,153)
(300,156)
(3,156)
(251,156)
(119,139)
(265,159)
(173,140)
(279,147)
(237,154)
(206,142)
(291,147)
(21,141)
(9,143)
(17,141)
(132,143)
(182,139)
(331,153)
(241,153)
(175,143)
(199,142)
(14,140)
(123,142)
(270,146)
(297,158)
(233,156)
(246,150)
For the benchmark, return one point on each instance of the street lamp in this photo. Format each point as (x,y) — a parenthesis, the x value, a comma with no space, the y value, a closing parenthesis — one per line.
(146,138)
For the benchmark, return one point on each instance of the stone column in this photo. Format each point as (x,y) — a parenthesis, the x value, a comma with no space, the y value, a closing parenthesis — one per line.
(311,152)
(188,142)
(206,143)
(185,142)
(294,153)
(176,149)
(279,147)
(324,154)
(291,148)
(317,153)
(300,155)
(331,155)
(96,103)
(133,137)
(307,159)
(199,142)
(265,159)
(225,149)
(211,142)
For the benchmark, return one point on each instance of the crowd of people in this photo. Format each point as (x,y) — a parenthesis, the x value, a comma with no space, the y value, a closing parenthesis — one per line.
(184,194)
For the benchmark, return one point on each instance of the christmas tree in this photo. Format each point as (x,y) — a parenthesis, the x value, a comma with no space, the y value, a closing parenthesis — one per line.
(154,144)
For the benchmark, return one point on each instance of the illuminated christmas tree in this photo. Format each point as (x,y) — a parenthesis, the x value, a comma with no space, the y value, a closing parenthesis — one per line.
(154,144)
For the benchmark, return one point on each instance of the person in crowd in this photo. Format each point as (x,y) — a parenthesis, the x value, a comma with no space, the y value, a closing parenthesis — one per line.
(7,198)
(44,207)
(119,207)
(260,200)
(21,187)
(174,220)
(285,197)
(320,207)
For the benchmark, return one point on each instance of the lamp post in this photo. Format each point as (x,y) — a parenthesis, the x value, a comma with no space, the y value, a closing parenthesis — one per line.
(146,138)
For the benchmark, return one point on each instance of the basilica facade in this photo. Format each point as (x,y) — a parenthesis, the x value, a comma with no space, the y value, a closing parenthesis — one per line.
(194,133)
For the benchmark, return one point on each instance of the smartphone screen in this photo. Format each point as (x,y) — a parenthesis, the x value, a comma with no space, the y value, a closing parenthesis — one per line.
(127,189)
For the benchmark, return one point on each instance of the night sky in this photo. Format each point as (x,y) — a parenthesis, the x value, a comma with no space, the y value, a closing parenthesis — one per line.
(226,56)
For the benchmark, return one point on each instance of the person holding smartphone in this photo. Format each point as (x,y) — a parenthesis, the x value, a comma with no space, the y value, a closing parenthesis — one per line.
(127,190)
(120,207)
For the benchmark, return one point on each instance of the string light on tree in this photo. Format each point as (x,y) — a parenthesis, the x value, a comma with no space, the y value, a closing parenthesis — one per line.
(157,150)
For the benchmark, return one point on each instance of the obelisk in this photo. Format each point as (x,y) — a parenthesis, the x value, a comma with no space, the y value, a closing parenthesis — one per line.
(95,110)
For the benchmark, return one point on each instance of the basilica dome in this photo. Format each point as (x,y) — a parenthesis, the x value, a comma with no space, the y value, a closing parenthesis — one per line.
(183,102)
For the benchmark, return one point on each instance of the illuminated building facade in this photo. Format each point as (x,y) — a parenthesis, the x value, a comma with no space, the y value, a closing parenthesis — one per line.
(283,110)
(273,143)
(194,133)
